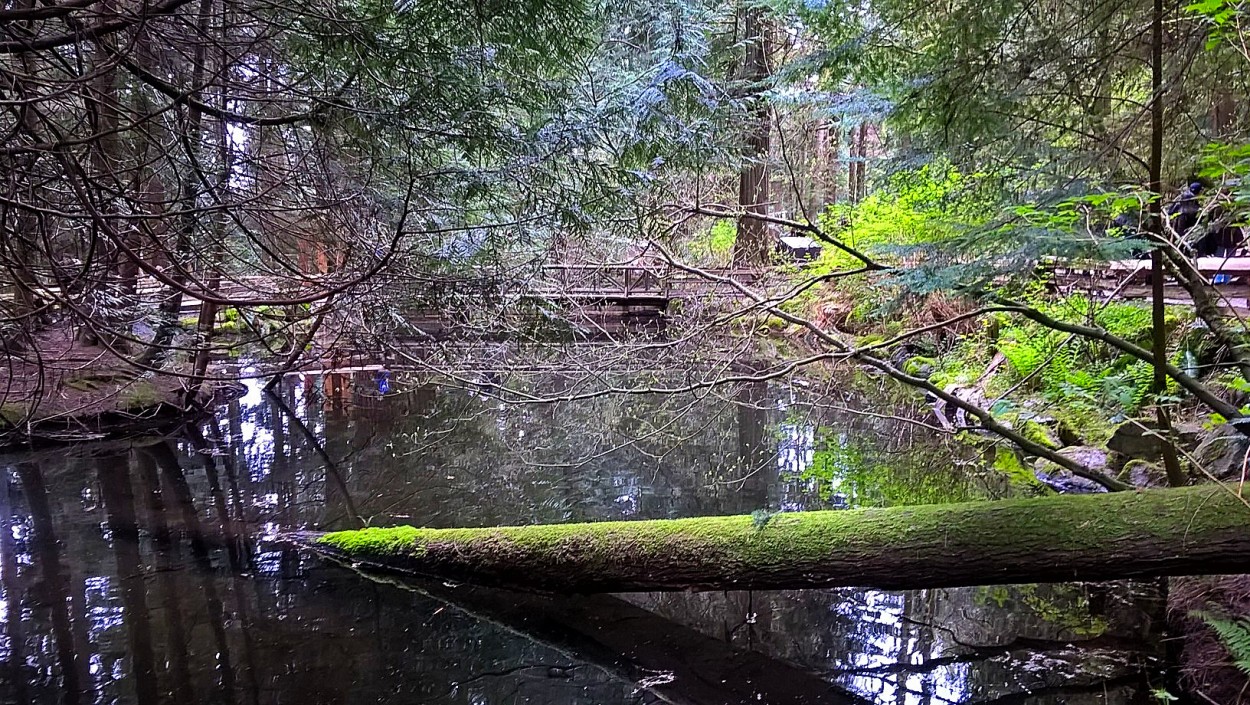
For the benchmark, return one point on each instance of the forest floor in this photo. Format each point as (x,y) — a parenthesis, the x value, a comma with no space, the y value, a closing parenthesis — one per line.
(57,388)
(1207,668)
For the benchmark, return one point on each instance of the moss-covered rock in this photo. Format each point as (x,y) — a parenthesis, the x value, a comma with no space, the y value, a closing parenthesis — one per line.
(1041,434)
(140,394)
(1143,473)
(1222,452)
(920,366)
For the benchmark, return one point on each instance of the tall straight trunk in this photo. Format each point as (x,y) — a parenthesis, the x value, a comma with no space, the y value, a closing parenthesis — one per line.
(1193,530)
(852,165)
(752,244)
(818,193)
(102,111)
(189,192)
(207,321)
(1223,113)
(861,166)
(835,164)
(1176,476)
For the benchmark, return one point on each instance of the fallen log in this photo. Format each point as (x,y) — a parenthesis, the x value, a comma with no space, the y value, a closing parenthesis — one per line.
(1188,531)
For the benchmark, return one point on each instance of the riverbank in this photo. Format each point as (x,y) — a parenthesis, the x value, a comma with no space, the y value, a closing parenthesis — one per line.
(59,389)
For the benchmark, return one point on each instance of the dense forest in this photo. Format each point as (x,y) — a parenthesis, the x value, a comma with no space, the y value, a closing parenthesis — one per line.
(780,258)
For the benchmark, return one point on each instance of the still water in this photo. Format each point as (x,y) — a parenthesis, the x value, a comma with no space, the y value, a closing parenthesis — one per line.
(153,571)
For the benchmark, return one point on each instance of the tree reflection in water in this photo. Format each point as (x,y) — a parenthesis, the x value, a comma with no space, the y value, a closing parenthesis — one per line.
(146,571)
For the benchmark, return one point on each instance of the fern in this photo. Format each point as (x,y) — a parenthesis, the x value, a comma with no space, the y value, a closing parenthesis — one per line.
(1235,635)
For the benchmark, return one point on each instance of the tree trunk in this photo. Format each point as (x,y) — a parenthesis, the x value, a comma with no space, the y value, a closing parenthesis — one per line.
(861,166)
(116,276)
(752,244)
(1195,530)
(1207,308)
(1176,476)
(190,221)
(852,165)
(835,164)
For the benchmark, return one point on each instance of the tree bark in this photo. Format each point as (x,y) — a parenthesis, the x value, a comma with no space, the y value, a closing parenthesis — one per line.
(852,166)
(861,166)
(835,163)
(1176,476)
(752,245)
(1207,308)
(1197,530)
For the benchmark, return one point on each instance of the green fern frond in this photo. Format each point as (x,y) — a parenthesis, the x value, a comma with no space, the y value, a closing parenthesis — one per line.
(1235,635)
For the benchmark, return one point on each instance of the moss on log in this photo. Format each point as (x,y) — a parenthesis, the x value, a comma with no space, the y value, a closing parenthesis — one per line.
(1187,531)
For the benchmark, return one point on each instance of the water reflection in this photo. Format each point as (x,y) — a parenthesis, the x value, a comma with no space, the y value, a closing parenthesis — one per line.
(146,571)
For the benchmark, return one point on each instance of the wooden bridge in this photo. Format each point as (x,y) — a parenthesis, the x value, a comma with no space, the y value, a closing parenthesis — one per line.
(627,286)
(632,285)
(649,288)
(1131,279)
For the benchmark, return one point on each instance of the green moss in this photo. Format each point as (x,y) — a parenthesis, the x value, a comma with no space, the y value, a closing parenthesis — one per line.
(82,384)
(1008,462)
(1040,434)
(141,394)
(610,553)
(14,412)
(920,366)
(375,541)
(91,381)
(776,323)
(1143,468)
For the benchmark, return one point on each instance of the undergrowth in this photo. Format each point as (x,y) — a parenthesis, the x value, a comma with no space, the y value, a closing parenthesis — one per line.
(1234,633)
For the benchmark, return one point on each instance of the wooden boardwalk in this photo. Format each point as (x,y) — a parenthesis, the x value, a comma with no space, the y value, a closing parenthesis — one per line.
(650,287)
(632,286)
(1130,279)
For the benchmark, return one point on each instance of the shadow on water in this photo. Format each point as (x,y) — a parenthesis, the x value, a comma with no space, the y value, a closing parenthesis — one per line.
(146,571)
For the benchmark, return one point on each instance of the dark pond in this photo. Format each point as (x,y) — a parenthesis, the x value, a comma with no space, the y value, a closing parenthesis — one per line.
(148,572)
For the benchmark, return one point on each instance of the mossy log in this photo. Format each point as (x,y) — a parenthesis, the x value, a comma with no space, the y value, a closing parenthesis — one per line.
(1197,530)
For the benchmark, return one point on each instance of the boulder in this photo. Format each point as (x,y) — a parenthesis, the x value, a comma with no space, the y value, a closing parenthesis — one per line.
(1139,439)
(1143,473)
(920,366)
(1222,452)
(1038,431)
(1062,480)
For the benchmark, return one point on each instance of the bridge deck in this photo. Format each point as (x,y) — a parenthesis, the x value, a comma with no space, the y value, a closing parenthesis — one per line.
(654,286)
(1130,279)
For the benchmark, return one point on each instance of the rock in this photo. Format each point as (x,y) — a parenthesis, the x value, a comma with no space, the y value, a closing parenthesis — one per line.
(1143,473)
(1138,439)
(1039,432)
(1222,452)
(1068,435)
(974,395)
(920,366)
(1062,479)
